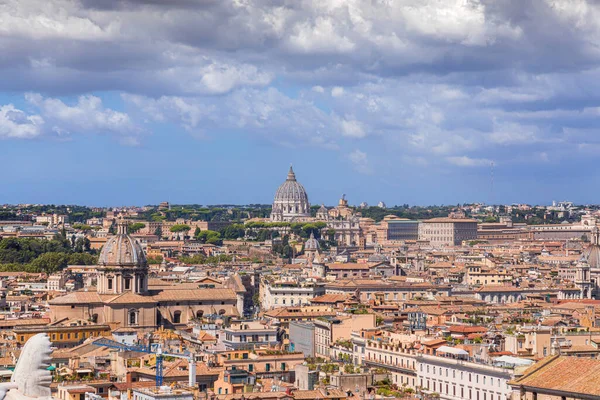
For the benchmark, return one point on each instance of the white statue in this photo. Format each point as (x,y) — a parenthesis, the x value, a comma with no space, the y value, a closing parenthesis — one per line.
(31,378)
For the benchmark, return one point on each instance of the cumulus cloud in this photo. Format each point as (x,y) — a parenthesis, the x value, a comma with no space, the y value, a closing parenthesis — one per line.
(53,117)
(434,79)
(17,124)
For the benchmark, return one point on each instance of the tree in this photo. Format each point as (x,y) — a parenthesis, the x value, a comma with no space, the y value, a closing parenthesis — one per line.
(136,226)
(210,237)
(233,231)
(78,248)
(180,228)
(155,260)
(87,245)
(158,231)
(50,262)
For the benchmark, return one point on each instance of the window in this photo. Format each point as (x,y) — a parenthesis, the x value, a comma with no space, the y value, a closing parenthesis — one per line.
(267,367)
(177,317)
(127,283)
(133,317)
(110,284)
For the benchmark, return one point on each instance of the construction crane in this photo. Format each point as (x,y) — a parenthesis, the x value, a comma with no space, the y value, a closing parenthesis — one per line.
(156,350)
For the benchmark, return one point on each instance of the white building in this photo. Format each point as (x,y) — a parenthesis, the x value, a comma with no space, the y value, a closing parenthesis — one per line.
(284,294)
(248,334)
(448,231)
(159,393)
(454,378)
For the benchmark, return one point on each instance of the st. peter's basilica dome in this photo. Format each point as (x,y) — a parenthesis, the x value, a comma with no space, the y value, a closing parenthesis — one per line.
(291,200)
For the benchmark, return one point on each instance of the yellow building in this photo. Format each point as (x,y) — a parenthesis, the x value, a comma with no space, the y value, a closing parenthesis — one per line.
(64,333)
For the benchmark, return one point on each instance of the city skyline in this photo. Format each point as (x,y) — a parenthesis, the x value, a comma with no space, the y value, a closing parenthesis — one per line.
(132,102)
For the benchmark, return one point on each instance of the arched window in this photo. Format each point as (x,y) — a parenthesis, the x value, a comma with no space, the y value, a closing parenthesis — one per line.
(221,312)
(133,317)
(95,318)
(199,314)
(177,317)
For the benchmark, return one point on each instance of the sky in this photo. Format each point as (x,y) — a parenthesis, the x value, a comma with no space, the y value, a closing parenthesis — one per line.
(133,102)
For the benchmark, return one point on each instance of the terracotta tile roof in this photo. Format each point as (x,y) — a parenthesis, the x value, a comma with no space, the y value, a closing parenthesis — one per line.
(121,386)
(24,322)
(330,298)
(79,297)
(195,294)
(467,329)
(566,374)
(131,298)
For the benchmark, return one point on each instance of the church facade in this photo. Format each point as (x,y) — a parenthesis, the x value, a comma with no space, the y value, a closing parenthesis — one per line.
(125,297)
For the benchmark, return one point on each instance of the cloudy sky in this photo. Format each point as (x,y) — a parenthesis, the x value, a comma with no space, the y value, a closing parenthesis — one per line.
(111,102)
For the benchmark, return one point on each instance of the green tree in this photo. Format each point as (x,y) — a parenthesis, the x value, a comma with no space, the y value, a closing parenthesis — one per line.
(180,228)
(135,227)
(210,237)
(155,260)
(50,262)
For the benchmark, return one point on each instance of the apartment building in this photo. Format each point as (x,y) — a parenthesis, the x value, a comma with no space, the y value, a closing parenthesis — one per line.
(283,294)
(454,377)
(330,330)
(396,357)
(249,334)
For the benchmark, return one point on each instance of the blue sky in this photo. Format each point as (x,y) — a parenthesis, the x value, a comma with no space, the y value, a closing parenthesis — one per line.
(134,102)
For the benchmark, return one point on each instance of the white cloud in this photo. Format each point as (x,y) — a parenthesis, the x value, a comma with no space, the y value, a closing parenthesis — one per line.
(464,161)
(436,79)
(53,117)
(17,124)
(352,128)
(337,91)
(87,115)
(360,162)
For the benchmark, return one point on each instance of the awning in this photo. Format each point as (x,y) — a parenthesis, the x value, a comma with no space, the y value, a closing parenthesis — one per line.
(509,360)
(452,350)
(84,371)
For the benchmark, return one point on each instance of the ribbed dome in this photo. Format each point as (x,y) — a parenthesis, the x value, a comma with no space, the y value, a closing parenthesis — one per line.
(311,243)
(592,253)
(291,190)
(122,250)
(291,200)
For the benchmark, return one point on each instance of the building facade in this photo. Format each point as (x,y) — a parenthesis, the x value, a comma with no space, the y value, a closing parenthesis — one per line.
(448,231)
